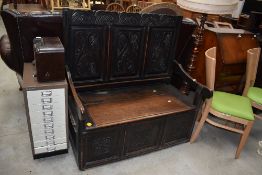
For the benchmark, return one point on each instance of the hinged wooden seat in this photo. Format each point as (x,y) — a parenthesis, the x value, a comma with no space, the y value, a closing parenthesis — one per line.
(124,98)
(121,105)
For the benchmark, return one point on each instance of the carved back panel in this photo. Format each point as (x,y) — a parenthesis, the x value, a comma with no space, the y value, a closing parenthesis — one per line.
(107,47)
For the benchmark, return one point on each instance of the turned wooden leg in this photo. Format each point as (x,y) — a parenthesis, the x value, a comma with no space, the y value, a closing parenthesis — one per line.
(201,122)
(191,65)
(258,116)
(201,111)
(243,139)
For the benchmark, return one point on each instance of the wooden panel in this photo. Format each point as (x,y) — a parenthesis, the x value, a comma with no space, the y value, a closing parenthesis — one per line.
(108,47)
(88,53)
(179,127)
(106,143)
(140,102)
(159,51)
(127,52)
(143,136)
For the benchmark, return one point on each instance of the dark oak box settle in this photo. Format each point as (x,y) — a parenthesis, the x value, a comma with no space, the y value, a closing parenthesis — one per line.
(124,99)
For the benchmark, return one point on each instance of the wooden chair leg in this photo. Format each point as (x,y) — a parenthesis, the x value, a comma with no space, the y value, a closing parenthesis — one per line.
(243,138)
(258,116)
(201,122)
(200,112)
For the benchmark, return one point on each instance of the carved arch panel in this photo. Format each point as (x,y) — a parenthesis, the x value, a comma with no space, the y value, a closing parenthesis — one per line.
(126,52)
(160,51)
(88,59)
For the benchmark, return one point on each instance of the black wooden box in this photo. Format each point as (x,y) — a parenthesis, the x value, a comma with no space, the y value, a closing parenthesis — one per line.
(49,59)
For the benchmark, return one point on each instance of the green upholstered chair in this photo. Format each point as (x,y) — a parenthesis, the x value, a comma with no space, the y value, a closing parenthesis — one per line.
(253,93)
(231,112)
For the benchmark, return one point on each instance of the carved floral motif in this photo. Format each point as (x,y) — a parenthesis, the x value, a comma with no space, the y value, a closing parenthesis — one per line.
(126,54)
(159,52)
(102,145)
(87,53)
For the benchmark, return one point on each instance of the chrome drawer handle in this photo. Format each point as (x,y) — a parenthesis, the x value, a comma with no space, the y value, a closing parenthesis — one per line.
(47,107)
(49,125)
(50,149)
(49,131)
(46,93)
(48,120)
(50,137)
(48,113)
(46,100)
(50,142)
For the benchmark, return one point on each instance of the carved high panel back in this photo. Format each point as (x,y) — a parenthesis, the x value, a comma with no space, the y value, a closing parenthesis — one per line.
(126,47)
(109,47)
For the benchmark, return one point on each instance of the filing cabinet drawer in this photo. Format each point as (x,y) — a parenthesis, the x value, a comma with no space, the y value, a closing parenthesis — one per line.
(56,116)
(50,141)
(39,129)
(38,136)
(46,93)
(46,107)
(50,148)
(46,100)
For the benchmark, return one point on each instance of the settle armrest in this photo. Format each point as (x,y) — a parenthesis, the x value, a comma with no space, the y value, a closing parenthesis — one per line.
(200,91)
(74,93)
(78,109)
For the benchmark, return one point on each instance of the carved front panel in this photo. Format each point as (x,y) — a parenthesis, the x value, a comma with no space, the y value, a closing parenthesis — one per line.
(143,136)
(179,127)
(103,144)
(87,61)
(127,52)
(159,52)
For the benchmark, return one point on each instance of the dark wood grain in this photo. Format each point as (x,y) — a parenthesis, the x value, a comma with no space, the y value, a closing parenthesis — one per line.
(122,66)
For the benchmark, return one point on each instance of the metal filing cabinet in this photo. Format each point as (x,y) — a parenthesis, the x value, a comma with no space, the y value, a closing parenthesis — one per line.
(46,108)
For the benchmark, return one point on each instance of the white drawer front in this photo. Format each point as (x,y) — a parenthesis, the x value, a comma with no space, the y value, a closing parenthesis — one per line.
(48,119)
(38,100)
(42,135)
(47,107)
(50,141)
(52,148)
(39,129)
(57,116)
(46,93)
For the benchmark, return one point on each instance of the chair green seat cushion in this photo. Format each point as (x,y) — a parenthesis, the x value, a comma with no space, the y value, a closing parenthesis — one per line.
(231,104)
(255,94)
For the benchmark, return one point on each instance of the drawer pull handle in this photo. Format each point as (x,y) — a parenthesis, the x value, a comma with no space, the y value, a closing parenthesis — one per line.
(49,125)
(51,149)
(50,142)
(46,100)
(48,113)
(46,93)
(49,131)
(48,120)
(47,107)
(50,137)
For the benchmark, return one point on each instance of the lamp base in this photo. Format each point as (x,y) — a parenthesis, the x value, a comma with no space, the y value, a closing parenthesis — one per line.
(191,65)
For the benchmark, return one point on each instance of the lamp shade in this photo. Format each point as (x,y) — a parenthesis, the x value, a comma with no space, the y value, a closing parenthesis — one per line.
(209,6)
